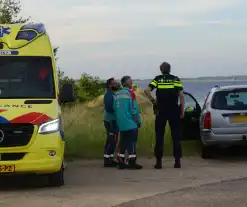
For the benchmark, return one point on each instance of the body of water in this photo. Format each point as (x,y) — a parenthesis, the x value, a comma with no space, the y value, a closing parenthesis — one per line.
(198,89)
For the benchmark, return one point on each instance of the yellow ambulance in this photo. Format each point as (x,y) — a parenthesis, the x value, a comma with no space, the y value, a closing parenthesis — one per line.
(31,133)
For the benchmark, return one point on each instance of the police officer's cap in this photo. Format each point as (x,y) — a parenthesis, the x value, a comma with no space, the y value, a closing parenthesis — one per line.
(165,67)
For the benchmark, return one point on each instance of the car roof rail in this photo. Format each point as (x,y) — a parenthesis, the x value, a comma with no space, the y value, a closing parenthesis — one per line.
(216,86)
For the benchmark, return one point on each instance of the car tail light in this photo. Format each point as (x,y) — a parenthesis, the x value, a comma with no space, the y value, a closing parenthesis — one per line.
(207,121)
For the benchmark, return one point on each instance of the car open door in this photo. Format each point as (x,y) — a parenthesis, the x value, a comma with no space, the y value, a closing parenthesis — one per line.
(190,124)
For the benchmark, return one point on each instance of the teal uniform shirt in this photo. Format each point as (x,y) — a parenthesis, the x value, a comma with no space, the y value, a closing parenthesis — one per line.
(125,106)
(109,113)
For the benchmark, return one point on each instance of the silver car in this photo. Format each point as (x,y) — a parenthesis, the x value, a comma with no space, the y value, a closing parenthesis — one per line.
(222,120)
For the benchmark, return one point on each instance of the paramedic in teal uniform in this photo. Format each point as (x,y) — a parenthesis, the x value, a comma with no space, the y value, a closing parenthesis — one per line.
(128,120)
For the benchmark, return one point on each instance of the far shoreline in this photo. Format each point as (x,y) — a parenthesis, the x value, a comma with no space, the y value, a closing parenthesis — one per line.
(199,80)
(212,80)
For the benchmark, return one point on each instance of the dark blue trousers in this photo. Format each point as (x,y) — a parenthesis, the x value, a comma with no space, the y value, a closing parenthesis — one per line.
(160,124)
(111,139)
(128,140)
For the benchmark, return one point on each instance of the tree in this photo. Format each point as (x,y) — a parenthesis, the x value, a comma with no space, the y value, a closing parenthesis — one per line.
(89,87)
(64,79)
(9,12)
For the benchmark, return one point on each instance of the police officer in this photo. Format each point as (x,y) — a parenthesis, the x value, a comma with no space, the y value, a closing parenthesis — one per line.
(168,89)
(110,123)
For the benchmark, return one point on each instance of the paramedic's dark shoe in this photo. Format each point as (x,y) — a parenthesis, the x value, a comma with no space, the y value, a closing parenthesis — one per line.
(133,165)
(177,164)
(122,165)
(110,163)
(115,163)
(158,164)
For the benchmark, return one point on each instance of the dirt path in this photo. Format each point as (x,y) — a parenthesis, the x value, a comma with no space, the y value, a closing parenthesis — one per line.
(88,184)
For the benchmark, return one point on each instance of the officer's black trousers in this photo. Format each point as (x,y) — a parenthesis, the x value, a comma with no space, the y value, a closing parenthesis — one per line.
(160,124)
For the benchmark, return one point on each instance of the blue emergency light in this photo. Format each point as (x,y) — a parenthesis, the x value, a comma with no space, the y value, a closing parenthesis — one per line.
(26,35)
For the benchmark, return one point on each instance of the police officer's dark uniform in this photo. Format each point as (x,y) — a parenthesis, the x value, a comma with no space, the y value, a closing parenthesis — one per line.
(167,109)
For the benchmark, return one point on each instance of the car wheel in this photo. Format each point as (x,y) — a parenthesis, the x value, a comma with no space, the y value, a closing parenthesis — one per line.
(56,179)
(207,152)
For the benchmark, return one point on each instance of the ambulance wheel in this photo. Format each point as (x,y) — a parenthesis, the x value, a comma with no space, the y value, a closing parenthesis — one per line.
(56,179)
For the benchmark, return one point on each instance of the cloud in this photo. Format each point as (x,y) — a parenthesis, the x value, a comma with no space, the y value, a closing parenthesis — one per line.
(189,23)
(224,22)
(114,20)
(132,35)
(76,34)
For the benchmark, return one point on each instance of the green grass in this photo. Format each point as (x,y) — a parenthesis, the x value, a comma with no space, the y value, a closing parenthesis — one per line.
(85,134)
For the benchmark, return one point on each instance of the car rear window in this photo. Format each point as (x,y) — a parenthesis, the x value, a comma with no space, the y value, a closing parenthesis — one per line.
(235,99)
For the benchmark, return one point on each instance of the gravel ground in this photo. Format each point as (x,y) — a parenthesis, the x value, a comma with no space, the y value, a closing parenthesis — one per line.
(89,184)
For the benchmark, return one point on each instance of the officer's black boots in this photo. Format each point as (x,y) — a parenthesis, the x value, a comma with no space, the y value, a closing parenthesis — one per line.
(177,163)
(158,164)
(110,163)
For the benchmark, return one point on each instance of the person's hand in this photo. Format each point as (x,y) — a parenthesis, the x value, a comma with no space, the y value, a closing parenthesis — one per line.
(181,114)
(155,109)
(154,106)
(138,124)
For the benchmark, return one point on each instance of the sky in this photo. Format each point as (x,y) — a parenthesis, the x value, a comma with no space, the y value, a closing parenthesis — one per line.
(113,38)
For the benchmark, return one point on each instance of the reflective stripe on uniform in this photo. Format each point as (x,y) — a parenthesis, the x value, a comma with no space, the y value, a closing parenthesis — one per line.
(154,83)
(177,84)
(108,156)
(132,156)
(165,83)
(121,155)
(161,86)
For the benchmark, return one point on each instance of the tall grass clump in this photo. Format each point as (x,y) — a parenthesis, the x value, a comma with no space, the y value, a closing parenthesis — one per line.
(85,133)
